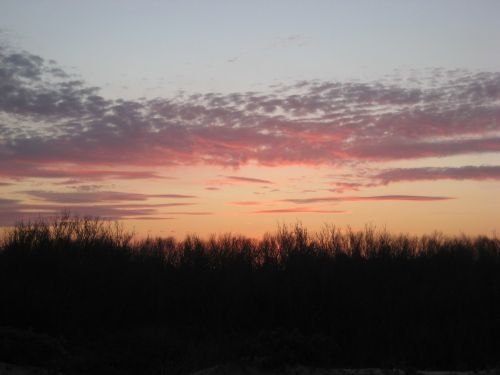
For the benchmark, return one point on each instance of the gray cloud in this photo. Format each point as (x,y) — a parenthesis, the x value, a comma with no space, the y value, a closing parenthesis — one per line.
(99,196)
(415,198)
(111,205)
(248,179)
(298,210)
(483,172)
(309,123)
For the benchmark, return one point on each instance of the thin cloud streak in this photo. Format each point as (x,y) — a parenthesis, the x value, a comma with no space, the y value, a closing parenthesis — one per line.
(152,218)
(245,203)
(190,213)
(99,196)
(248,179)
(235,180)
(469,172)
(32,169)
(13,210)
(298,210)
(12,215)
(415,198)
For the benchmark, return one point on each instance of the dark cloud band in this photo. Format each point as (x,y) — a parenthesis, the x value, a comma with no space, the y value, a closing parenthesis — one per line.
(68,122)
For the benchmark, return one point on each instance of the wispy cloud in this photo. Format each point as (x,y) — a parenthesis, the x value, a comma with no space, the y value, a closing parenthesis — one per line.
(248,180)
(339,187)
(99,196)
(483,172)
(416,198)
(104,204)
(190,213)
(255,203)
(235,180)
(295,210)
(11,213)
(76,173)
(246,203)
(141,218)
(6,203)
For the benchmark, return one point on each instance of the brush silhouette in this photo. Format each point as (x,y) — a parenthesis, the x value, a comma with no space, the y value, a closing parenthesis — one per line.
(338,298)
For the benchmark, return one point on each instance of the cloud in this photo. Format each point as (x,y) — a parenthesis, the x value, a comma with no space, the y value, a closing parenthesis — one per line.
(13,211)
(31,86)
(248,179)
(290,40)
(5,203)
(190,213)
(75,173)
(340,187)
(141,218)
(298,210)
(416,198)
(172,196)
(11,214)
(237,180)
(99,196)
(105,204)
(245,203)
(395,149)
(469,172)
(49,120)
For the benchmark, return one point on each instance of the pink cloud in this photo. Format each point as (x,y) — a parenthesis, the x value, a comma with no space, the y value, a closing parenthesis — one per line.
(77,174)
(309,123)
(417,198)
(340,187)
(478,173)
(248,179)
(298,210)
(235,180)
(10,214)
(150,218)
(197,213)
(99,196)
(246,203)
(107,205)
(394,149)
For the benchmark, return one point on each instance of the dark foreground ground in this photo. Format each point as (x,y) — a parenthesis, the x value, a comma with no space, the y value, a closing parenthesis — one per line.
(79,296)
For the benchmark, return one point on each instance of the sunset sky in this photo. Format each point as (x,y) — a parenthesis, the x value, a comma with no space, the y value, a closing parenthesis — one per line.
(235,116)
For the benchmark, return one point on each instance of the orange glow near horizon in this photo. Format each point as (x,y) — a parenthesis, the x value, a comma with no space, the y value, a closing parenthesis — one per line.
(412,155)
(254,200)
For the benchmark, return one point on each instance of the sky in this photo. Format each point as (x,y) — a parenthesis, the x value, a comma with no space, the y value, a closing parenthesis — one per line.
(180,117)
